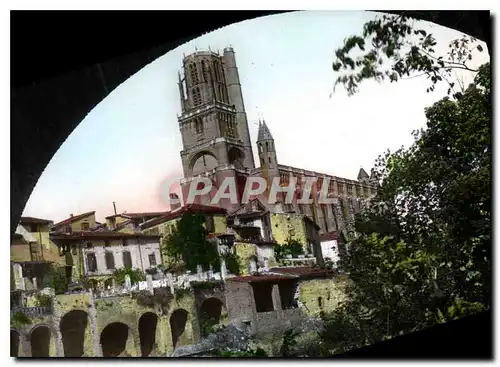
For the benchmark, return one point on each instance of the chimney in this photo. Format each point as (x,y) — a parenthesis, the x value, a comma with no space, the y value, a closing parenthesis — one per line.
(175,202)
(114,207)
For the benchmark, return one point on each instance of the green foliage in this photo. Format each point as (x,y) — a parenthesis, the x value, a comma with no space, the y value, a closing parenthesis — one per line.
(43,300)
(188,243)
(136,275)
(208,285)
(161,297)
(57,280)
(152,271)
(289,342)
(19,319)
(390,47)
(232,262)
(423,254)
(181,292)
(291,247)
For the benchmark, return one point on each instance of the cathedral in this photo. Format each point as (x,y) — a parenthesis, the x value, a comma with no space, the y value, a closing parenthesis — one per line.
(217,144)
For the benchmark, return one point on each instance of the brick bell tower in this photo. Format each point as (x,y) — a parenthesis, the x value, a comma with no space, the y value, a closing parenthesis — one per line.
(213,123)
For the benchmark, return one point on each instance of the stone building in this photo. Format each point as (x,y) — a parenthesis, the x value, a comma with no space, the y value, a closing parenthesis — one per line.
(217,144)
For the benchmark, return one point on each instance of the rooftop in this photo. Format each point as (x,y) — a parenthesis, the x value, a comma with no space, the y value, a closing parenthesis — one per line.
(74,218)
(32,220)
(177,213)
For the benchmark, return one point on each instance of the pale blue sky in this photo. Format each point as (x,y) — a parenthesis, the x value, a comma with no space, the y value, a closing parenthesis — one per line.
(129,143)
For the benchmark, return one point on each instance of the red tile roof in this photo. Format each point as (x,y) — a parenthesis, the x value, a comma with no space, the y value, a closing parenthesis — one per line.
(261,278)
(29,220)
(73,219)
(86,235)
(137,215)
(197,208)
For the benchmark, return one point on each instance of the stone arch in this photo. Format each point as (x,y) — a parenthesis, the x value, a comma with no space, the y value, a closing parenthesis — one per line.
(114,339)
(202,162)
(212,312)
(15,343)
(178,323)
(235,157)
(73,326)
(148,324)
(40,337)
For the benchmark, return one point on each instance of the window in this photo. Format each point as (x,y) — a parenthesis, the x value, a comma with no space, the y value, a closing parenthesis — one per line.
(262,161)
(127,260)
(91,262)
(106,243)
(198,126)
(209,224)
(85,226)
(217,71)
(152,259)
(267,145)
(196,96)
(194,73)
(206,71)
(269,160)
(260,148)
(89,246)
(110,260)
(33,228)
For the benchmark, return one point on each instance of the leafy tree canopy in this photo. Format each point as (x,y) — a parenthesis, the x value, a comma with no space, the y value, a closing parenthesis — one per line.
(423,253)
(188,243)
(390,47)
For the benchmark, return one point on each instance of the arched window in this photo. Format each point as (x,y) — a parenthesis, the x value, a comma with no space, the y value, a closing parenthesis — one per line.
(269,159)
(110,260)
(199,126)
(216,71)
(260,147)
(194,73)
(196,96)
(206,71)
(267,146)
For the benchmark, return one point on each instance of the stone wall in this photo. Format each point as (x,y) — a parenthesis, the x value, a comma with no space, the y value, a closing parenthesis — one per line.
(322,294)
(289,226)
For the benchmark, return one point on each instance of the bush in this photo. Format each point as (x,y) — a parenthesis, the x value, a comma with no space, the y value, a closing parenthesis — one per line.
(136,275)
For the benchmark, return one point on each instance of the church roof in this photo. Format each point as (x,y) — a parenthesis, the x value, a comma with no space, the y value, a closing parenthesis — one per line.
(264,133)
(362,174)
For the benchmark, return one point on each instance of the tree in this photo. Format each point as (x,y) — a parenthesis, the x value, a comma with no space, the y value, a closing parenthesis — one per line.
(423,254)
(390,47)
(188,243)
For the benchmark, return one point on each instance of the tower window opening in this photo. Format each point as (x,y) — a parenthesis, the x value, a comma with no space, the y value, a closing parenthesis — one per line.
(269,159)
(216,71)
(194,73)
(206,71)
(196,96)
(267,145)
(262,161)
(198,126)
(260,148)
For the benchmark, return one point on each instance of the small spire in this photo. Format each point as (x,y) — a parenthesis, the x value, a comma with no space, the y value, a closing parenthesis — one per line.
(264,133)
